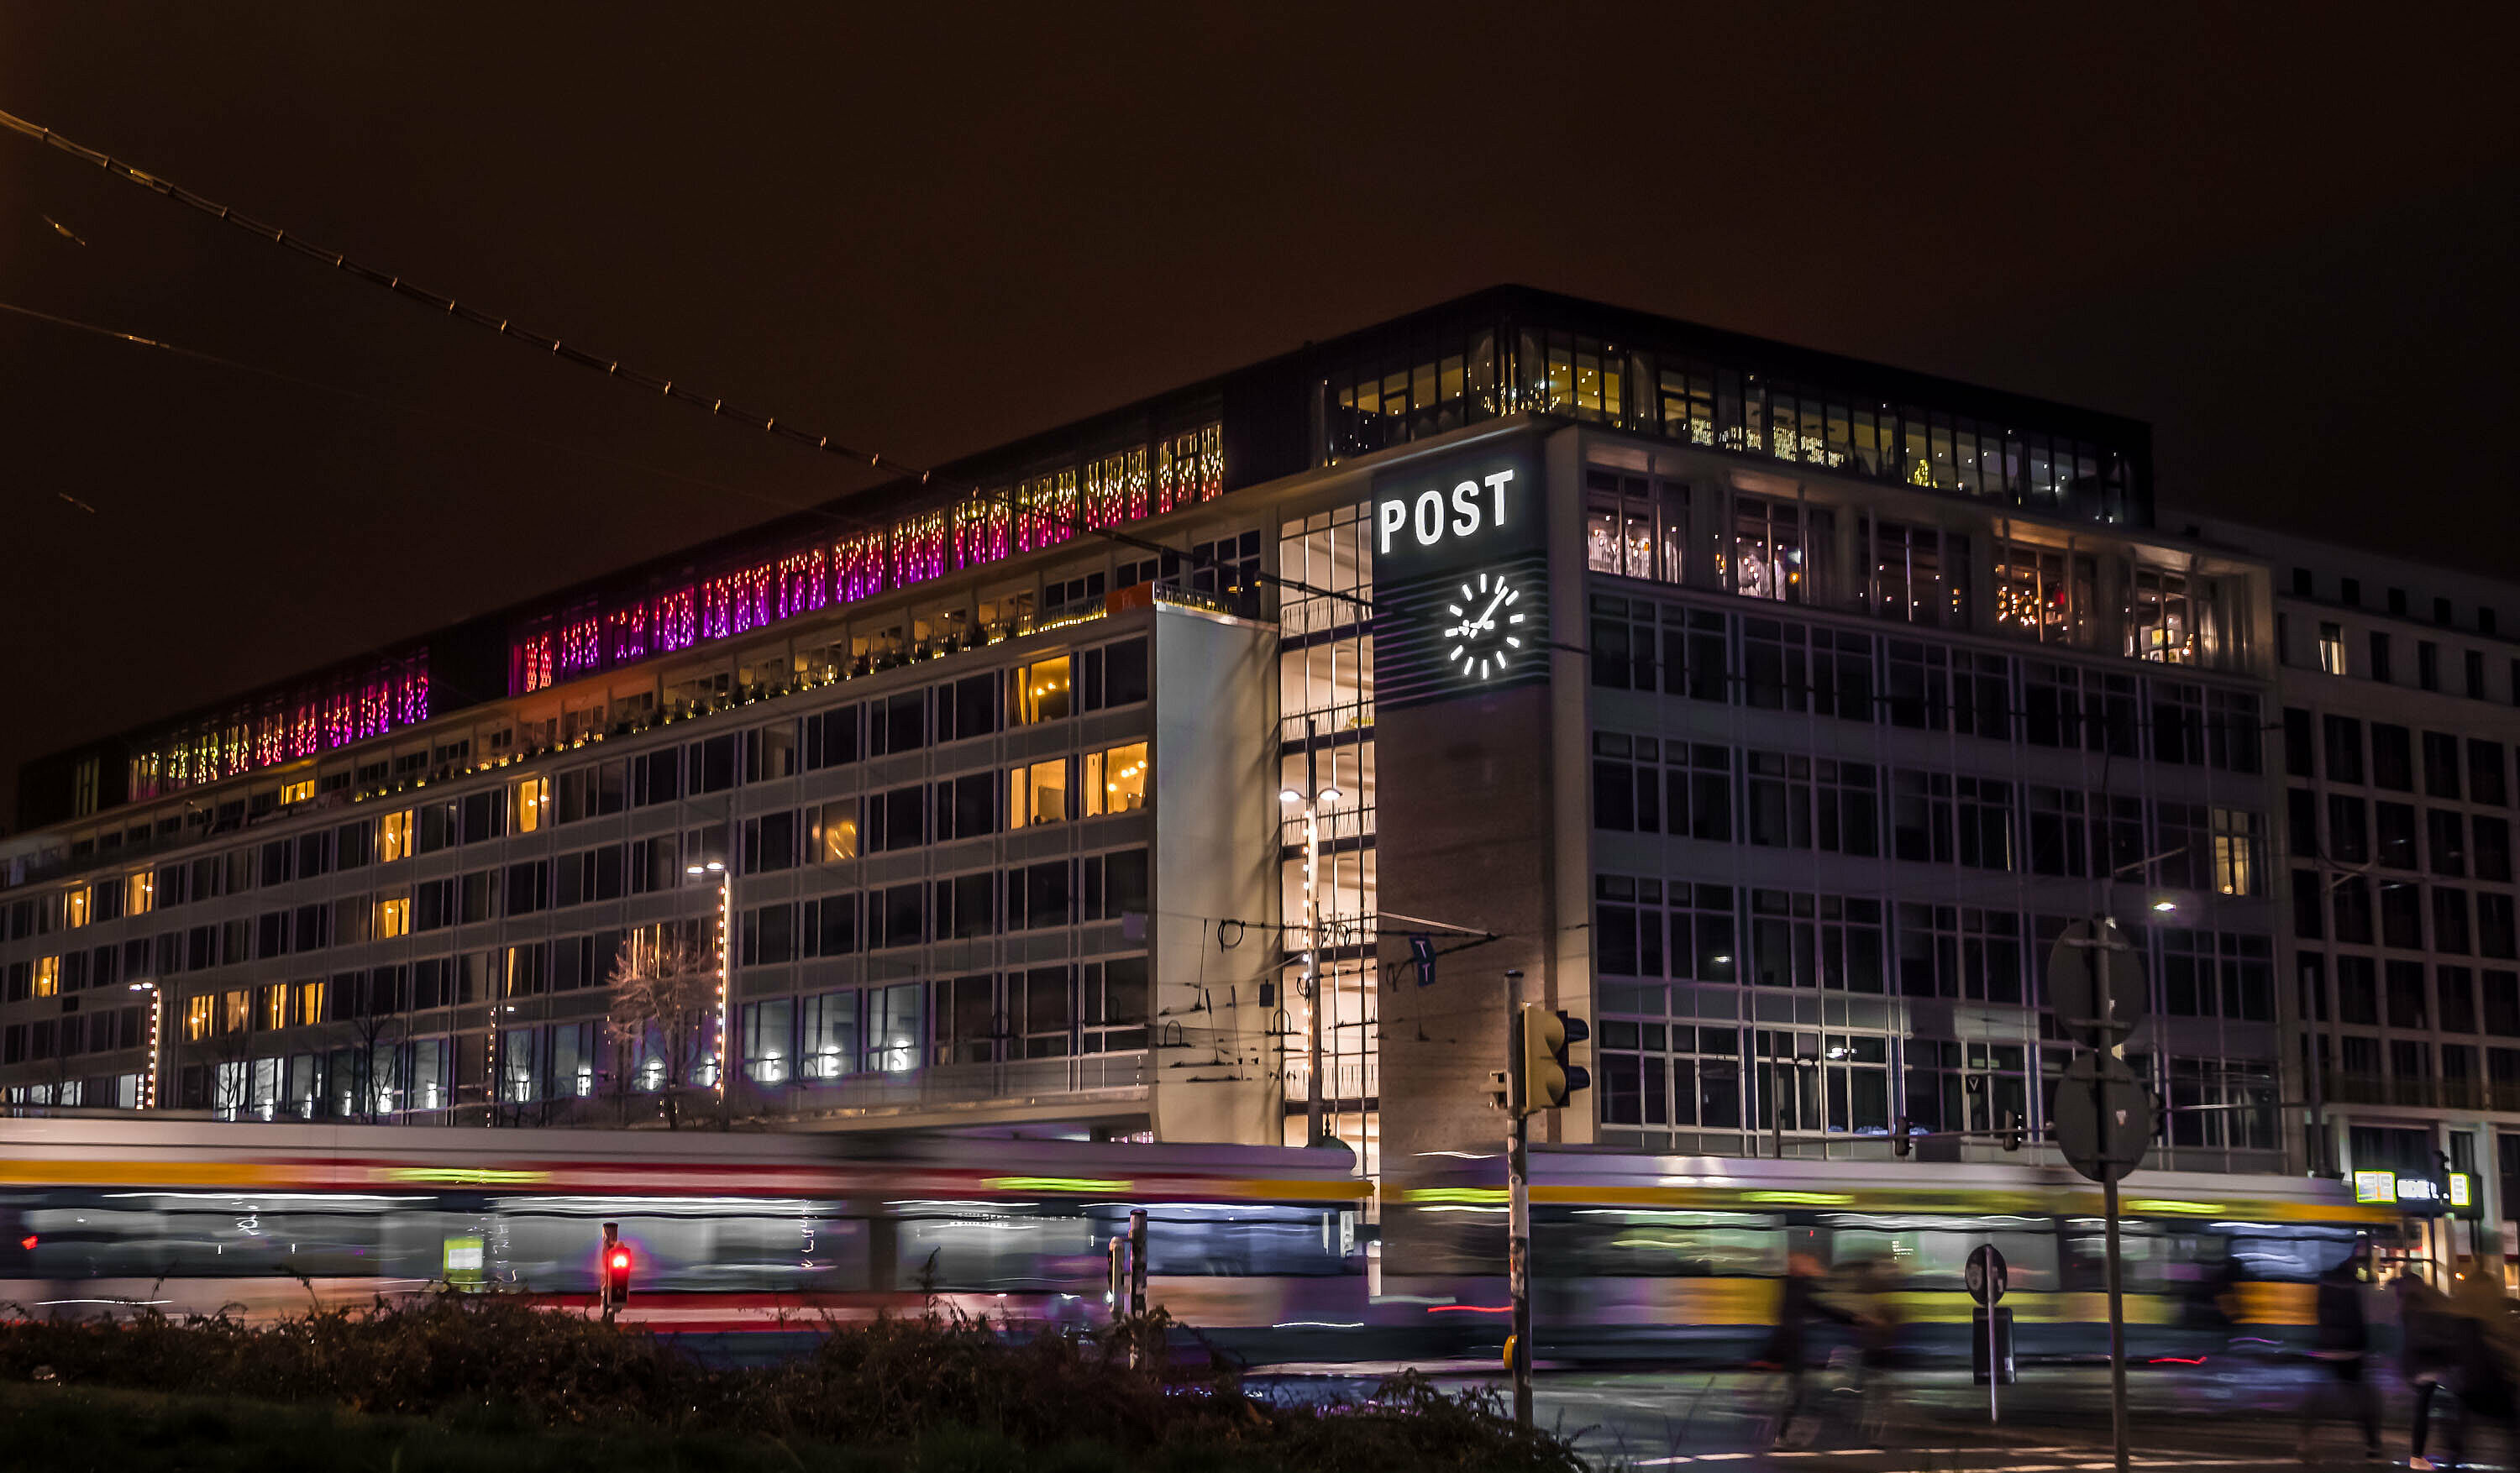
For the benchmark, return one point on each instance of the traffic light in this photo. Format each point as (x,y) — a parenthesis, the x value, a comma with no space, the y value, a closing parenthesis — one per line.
(615,1270)
(1900,1144)
(1549,1081)
(1421,954)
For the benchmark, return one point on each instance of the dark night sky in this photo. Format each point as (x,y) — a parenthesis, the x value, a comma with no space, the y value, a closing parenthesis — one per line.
(2286,241)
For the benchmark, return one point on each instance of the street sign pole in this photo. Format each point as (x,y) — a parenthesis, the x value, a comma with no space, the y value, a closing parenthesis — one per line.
(2103,1123)
(1987,1280)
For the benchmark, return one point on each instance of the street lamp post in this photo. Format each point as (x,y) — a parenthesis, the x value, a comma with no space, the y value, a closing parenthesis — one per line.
(725,960)
(1310,800)
(157,1037)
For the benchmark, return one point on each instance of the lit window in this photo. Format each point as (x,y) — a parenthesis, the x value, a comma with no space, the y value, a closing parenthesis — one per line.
(236,1010)
(310,1003)
(2331,648)
(48,976)
(201,1016)
(1038,793)
(533,804)
(78,906)
(275,1006)
(2235,851)
(393,917)
(1042,691)
(300,791)
(393,837)
(1115,781)
(836,835)
(139,894)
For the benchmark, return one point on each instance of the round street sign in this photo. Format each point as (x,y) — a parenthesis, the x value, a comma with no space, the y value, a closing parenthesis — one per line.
(2103,1117)
(1987,1276)
(2096,984)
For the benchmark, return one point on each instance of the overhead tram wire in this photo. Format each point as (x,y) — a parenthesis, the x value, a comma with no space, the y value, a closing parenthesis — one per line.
(381,401)
(611,368)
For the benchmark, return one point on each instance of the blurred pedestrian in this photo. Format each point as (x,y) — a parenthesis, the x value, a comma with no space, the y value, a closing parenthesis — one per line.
(2341,1344)
(2485,1358)
(2427,1353)
(1798,1303)
(1879,1318)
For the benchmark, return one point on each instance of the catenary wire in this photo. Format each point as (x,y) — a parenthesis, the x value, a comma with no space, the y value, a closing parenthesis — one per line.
(609,367)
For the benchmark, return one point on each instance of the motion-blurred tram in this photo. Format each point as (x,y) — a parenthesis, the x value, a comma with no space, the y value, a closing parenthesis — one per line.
(1667,1256)
(1268,1251)
(727,1231)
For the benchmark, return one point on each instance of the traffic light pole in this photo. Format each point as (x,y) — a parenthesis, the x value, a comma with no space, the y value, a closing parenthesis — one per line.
(1518,1171)
(2117,1328)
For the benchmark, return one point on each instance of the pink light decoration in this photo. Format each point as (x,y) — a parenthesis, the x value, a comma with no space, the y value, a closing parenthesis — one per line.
(376,705)
(411,702)
(581,646)
(1106,493)
(626,633)
(342,708)
(677,621)
(980,529)
(803,582)
(756,597)
(918,547)
(1044,511)
(270,735)
(717,608)
(305,727)
(858,567)
(534,665)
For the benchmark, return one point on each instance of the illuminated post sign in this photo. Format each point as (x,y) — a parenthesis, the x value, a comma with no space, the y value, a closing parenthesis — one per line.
(2462,1190)
(2375,1188)
(1460,575)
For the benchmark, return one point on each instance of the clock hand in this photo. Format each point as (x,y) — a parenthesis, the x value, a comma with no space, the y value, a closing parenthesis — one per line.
(1487,617)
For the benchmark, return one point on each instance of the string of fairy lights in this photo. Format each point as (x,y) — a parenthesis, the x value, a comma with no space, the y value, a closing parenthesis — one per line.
(611,367)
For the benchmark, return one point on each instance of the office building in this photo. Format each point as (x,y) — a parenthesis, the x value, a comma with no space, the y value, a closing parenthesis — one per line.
(1770,710)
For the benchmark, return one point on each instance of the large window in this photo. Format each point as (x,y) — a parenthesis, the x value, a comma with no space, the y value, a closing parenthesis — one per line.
(531,809)
(1779,550)
(1037,793)
(1634,525)
(1116,780)
(1043,691)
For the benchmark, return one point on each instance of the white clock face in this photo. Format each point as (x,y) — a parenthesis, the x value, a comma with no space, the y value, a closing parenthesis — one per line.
(1484,635)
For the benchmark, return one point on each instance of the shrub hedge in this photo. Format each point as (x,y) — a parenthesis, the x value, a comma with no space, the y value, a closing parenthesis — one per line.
(895,1383)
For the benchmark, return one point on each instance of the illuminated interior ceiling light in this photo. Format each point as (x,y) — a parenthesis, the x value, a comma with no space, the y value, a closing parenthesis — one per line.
(2165,905)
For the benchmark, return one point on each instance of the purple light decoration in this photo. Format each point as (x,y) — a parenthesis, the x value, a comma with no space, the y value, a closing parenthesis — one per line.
(918,549)
(858,567)
(803,583)
(581,646)
(677,625)
(627,633)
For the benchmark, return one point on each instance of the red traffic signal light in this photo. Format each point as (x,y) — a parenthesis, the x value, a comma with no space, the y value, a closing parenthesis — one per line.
(614,1291)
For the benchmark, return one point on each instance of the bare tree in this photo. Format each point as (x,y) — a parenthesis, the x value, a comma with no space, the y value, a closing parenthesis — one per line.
(664,995)
(231,1066)
(376,1039)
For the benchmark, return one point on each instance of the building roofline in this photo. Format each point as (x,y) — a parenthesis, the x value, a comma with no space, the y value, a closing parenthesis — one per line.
(1506,303)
